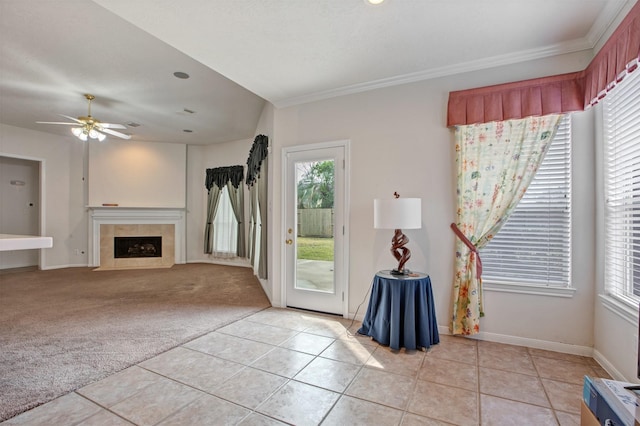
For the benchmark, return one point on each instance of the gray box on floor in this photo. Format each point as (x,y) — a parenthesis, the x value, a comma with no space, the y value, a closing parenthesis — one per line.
(610,402)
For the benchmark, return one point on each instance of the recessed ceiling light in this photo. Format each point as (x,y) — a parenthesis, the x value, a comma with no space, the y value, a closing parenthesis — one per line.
(374,2)
(132,124)
(181,74)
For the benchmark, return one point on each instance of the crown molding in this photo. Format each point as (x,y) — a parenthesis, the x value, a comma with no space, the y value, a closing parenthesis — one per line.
(460,68)
(607,21)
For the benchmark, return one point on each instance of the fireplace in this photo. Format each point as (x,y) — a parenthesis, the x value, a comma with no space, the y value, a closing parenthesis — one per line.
(128,247)
(110,222)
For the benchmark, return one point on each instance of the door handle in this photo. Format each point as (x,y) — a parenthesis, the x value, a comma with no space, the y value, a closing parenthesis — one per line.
(289,241)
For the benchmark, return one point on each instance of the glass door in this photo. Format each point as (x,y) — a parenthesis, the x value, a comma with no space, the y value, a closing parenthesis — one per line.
(314,232)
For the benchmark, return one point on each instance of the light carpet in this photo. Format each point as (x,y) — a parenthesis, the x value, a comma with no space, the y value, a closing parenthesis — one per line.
(63,329)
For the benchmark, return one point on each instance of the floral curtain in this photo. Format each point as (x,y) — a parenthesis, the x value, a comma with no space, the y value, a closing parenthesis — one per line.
(495,163)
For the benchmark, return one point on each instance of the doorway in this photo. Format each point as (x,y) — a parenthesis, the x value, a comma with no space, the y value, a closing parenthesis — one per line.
(19,208)
(315,227)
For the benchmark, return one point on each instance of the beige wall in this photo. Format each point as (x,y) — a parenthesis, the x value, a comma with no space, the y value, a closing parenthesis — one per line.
(137,174)
(63,191)
(399,142)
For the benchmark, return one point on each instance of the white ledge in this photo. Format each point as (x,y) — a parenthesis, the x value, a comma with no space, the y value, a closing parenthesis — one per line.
(24,242)
(624,309)
(540,290)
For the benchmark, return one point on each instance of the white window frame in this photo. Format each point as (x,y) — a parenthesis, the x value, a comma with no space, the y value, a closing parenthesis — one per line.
(560,287)
(225,227)
(621,159)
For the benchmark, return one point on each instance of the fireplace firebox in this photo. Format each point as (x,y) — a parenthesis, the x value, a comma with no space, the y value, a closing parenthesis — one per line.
(128,247)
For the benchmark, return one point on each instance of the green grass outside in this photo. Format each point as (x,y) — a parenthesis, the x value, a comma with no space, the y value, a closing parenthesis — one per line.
(315,248)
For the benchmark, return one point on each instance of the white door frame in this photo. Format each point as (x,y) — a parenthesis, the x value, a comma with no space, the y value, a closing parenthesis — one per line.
(41,199)
(346,145)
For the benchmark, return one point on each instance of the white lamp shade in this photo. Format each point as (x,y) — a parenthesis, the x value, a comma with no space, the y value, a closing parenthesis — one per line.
(397,213)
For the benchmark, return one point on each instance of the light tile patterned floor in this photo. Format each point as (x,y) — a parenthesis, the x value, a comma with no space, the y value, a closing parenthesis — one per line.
(285,366)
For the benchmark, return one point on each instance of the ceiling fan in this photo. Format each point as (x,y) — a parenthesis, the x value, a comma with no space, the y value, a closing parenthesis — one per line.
(90,127)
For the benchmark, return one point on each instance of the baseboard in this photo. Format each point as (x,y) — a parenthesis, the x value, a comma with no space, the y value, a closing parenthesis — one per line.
(524,341)
(79,265)
(85,265)
(604,362)
(240,263)
(359,316)
(266,288)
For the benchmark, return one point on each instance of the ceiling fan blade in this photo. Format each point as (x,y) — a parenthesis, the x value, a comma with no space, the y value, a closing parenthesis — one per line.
(56,122)
(72,118)
(112,126)
(114,133)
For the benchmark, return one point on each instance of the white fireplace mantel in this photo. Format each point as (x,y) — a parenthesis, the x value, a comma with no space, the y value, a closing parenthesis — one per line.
(99,215)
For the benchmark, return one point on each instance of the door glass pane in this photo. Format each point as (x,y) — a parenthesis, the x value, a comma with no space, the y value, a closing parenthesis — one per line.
(314,228)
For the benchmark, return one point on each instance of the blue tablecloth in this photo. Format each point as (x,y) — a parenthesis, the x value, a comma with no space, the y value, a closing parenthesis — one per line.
(401,312)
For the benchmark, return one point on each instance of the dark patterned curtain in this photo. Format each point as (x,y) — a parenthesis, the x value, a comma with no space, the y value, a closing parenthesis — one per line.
(257,182)
(257,154)
(215,180)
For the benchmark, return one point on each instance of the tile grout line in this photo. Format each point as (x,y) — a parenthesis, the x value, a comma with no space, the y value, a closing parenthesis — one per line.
(544,389)
(478,385)
(101,406)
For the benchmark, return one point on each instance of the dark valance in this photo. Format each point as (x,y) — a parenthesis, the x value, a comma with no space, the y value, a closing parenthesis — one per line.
(257,154)
(221,175)
(556,94)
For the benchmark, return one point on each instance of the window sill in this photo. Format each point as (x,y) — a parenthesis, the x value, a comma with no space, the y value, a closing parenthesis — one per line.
(538,290)
(621,308)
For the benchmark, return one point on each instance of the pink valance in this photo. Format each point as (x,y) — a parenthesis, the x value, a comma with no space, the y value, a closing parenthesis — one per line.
(617,58)
(541,96)
(556,94)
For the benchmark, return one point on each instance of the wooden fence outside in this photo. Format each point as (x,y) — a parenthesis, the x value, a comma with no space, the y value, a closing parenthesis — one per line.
(315,223)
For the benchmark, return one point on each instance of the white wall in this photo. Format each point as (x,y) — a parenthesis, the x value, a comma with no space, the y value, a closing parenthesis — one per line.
(399,142)
(62,191)
(137,174)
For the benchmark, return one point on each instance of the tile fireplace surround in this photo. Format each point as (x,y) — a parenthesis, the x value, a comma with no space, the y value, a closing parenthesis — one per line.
(109,222)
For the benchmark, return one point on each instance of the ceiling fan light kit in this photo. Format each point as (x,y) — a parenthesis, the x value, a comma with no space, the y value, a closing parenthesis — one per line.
(89,127)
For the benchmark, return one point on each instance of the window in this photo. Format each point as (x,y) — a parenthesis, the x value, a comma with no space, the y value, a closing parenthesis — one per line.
(533,248)
(621,127)
(225,227)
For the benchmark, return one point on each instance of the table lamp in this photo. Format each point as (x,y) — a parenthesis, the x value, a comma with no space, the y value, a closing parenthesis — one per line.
(398,213)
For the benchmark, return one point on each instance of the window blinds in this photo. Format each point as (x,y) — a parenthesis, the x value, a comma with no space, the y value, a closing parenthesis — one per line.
(621,124)
(533,246)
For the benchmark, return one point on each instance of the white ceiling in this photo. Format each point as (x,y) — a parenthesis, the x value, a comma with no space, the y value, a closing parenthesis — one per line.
(240,53)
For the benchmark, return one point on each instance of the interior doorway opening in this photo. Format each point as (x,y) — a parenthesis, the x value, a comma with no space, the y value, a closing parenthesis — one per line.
(20,208)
